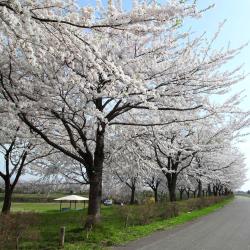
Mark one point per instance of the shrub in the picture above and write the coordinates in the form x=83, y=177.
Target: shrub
x=126, y=214
x=199, y=203
x=150, y=200
x=137, y=215
x=168, y=210
x=144, y=214
x=15, y=226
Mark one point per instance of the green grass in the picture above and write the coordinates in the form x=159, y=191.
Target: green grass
x=115, y=236
x=20, y=197
x=46, y=207
x=110, y=232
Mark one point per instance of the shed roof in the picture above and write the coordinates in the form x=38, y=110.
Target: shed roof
x=72, y=198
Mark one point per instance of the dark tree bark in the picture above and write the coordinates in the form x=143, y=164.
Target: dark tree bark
x=181, y=193
x=194, y=194
x=172, y=178
x=95, y=181
x=154, y=184
x=209, y=191
x=10, y=180
x=220, y=190
x=132, y=196
x=132, y=186
x=7, y=197
x=172, y=195
x=215, y=190
x=199, y=189
x=156, y=196
x=188, y=193
x=95, y=197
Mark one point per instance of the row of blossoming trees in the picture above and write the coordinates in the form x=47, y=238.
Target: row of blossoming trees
x=105, y=93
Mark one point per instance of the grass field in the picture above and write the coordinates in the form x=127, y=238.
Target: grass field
x=110, y=232
x=16, y=197
x=33, y=207
x=40, y=207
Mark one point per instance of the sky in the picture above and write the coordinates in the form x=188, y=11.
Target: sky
x=235, y=31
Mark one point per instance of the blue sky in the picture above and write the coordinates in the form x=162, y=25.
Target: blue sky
x=235, y=31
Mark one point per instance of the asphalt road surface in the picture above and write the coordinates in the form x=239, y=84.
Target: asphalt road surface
x=226, y=229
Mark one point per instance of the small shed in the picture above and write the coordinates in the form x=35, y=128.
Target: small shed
x=70, y=199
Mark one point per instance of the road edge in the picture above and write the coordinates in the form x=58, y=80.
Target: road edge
x=175, y=223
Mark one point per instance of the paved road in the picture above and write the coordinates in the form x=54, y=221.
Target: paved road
x=225, y=229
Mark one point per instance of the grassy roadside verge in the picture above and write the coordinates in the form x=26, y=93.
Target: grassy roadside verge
x=112, y=231
x=137, y=232
x=115, y=236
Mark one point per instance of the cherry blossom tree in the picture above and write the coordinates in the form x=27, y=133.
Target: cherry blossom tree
x=19, y=149
x=221, y=170
x=154, y=181
x=73, y=75
x=126, y=165
x=60, y=169
x=220, y=138
x=184, y=151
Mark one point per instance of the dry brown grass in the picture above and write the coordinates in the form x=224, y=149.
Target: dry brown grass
x=146, y=213
x=15, y=226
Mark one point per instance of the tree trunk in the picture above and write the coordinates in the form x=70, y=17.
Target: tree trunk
x=95, y=197
x=209, y=190
x=188, y=194
x=181, y=194
x=132, y=197
x=156, y=195
x=215, y=191
x=172, y=195
x=172, y=187
x=95, y=180
x=220, y=191
x=199, y=189
x=194, y=194
x=7, y=198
